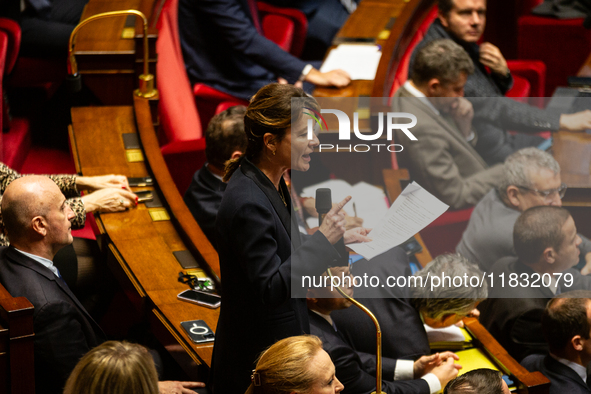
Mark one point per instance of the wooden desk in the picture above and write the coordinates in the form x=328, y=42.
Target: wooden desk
x=109, y=55
x=139, y=248
x=573, y=153
x=391, y=23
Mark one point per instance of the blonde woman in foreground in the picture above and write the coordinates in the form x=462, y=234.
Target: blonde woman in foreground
x=121, y=368
x=295, y=365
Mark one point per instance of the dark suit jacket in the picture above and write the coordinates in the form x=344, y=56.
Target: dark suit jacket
x=441, y=160
x=403, y=335
x=492, y=117
x=356, y=371
x=261, y=268
x=203, y=198
x=64, y=331
x=223, y=49
x=562, y=378
x=513, y=314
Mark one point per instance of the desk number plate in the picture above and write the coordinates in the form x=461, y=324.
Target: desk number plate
x=159, y=214
x=134, y=155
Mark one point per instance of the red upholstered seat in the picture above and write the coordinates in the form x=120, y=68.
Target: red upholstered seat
x=181, y=134
x=209, y=102
x=286, y=27
x=520, y=90
x=534, y=71
x=562, y=44
x=15, y=141
x=402, y=71
x=46, y=74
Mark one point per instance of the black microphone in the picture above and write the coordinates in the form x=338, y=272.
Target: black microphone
x=323, y=203
x=74, y=83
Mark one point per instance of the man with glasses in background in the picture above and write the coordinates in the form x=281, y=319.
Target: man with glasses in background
x=531, y=178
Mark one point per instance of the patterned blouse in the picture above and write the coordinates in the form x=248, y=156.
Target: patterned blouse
x=66, y=183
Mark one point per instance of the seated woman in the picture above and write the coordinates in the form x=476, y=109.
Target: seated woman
x=295, y=365
x=114, y=368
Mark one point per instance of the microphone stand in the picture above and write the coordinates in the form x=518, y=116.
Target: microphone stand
x=378, y=334
x=146, y=80
x=322, y=208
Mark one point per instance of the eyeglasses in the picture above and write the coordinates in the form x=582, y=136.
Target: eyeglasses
x=547, y=194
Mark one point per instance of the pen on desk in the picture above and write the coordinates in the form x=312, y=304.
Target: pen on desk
x=355, y=209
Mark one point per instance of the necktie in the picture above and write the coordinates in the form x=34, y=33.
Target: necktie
x=59, y=275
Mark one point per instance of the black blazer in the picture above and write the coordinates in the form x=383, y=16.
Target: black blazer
x=562, y=378
x=403, y=334
x=258, y=263
x=513, y=314
x=203, y=198
x=357, y=371
x=64, y=331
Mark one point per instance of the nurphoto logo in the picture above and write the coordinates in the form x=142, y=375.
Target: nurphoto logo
x=391, y=119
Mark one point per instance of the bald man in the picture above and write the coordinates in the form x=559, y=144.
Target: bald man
x=37, y=223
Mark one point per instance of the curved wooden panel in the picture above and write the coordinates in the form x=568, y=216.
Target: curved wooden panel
x=188, y=228
x=401, y=34
x=531, y=382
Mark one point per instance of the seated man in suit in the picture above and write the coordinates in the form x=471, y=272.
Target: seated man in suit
x=37, y=222
x=531, y=178
x=325, y=19
x=224, y=48
x=547, y=246
x=357, y=370
x=481, y=381
x=407, y=305
x=224, y=140
x=566, y=323
x=443, y=159
x=464, y=21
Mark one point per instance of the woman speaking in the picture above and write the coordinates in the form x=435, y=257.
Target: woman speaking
x=255, y=237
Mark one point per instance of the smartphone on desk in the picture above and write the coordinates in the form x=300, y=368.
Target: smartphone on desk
x=144, y=196
x=201, y=298
x=145, y=181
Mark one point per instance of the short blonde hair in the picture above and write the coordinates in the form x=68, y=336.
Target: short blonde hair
x=114, y=368
x=285, y=366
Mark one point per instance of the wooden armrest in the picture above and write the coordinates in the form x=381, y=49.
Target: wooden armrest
x=528, y=382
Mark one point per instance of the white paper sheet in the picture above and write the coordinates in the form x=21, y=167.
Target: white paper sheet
x=447, y=334
x=412, y=211
x=360, y=61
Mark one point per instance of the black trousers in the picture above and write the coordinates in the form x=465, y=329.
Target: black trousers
x=48, y=36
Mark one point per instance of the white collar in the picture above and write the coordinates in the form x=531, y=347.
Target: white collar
x=325, y=317
x=421, y=96
x=579, y=369
x=41, y=260
x=211, y=172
